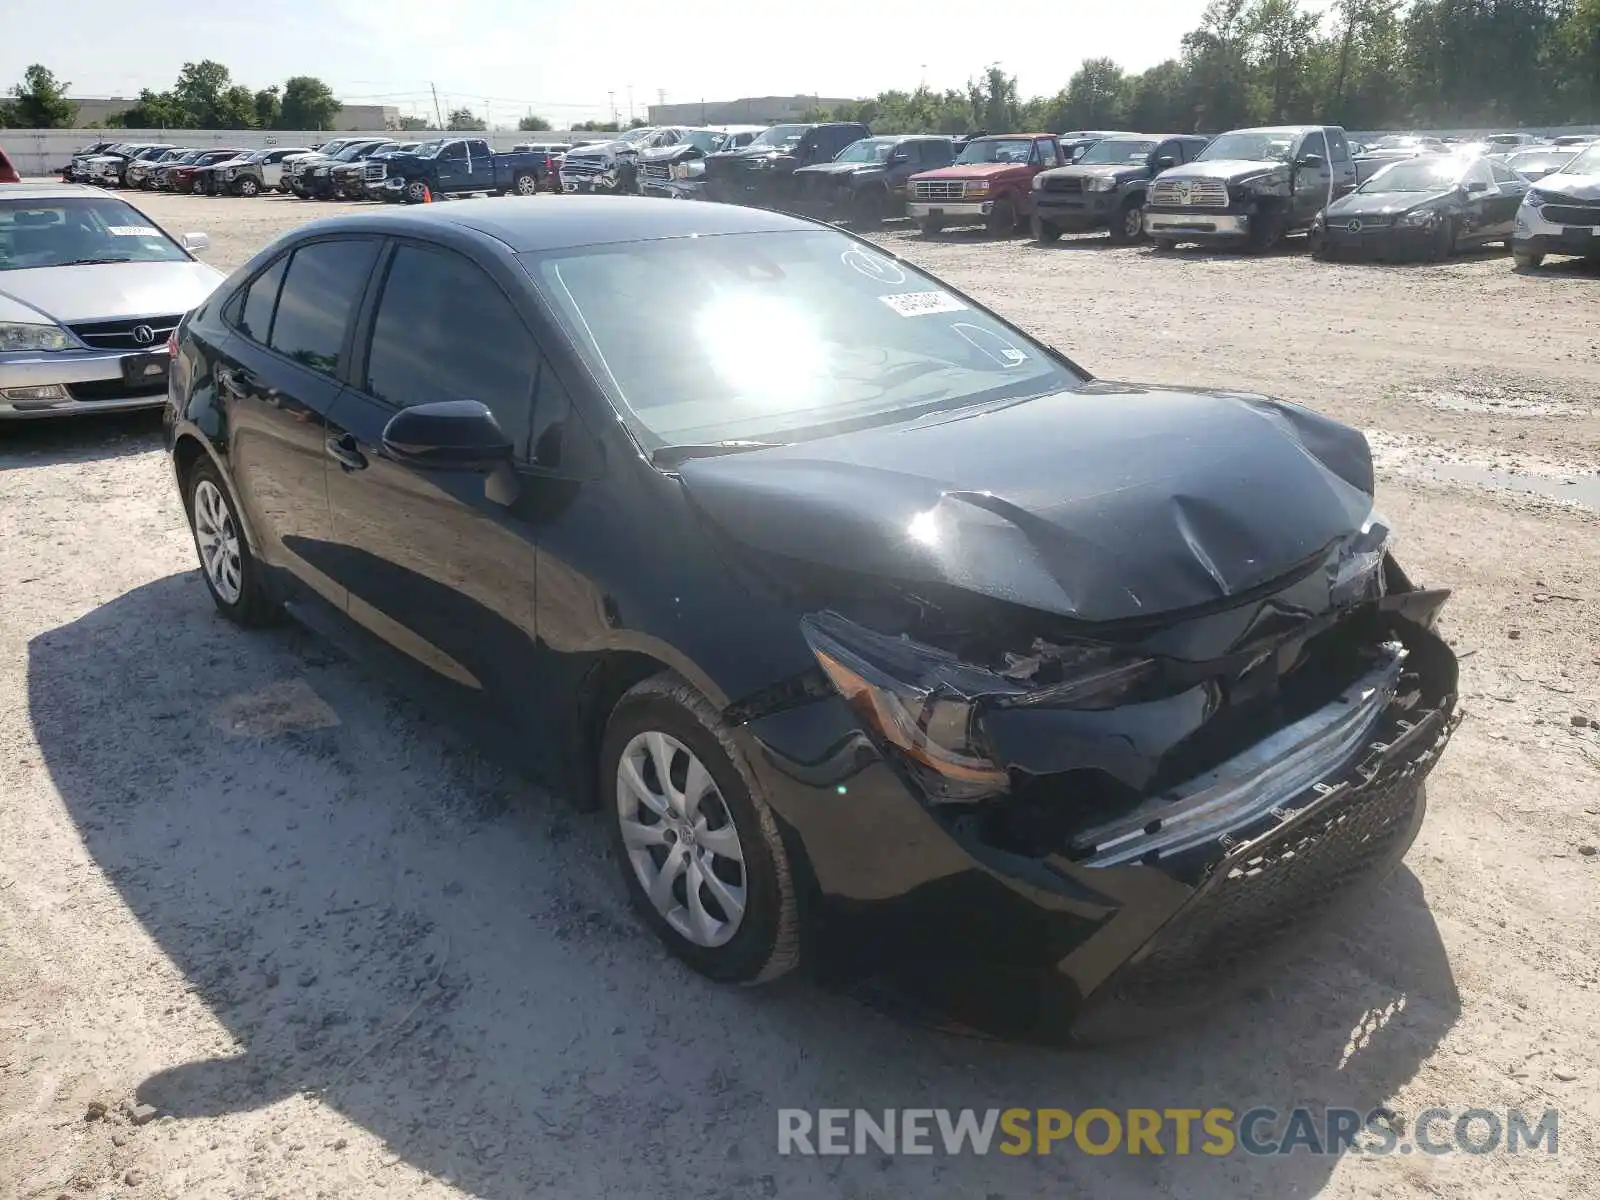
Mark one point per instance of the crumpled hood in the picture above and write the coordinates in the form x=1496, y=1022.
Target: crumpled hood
x=1381, y=204
x=1229, y=169
x=841, y=170
x=1108, y=503
x=106, y=291
x=1584, y=187
x=1099, y=171
x=975, y=171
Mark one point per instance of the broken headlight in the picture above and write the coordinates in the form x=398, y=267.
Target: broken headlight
x=928, y=704
x=1358, y=568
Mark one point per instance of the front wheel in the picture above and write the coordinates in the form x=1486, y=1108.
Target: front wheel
x=931, y=226
x=247, y=187
x=1266, y=231
x=697, y=845
x=1003, y=217
x=1127, y=224
x=1527, y=260
x=867, y=210
x=526, y=183
x=232, y=575
x=1163, y=245
x=1444, y=240
x=1043, y=231
x=416, y=191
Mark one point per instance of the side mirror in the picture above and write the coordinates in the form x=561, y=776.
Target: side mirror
x=1477, y=185
x=1165, y=161
x=196, y=241
x=449, y=435
x=900, y=156
x=1314, y=161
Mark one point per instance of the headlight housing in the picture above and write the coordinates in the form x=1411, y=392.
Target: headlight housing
x=19, y=335
x=1419, y=216
x=927, y=704
x=1100, y=183
x=1357, y=571
x=976, y=187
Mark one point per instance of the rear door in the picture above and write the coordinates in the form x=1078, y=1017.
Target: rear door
x=279, y=374
x=437, y=564
x=1509, y=190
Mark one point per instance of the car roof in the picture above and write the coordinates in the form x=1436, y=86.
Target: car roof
x=31, y=191
x=1281, y=128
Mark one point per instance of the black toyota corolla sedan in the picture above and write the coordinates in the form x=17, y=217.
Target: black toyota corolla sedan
x=1431, y=207
x=886, y=639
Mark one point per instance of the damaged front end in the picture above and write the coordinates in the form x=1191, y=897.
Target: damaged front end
x=1139, y=807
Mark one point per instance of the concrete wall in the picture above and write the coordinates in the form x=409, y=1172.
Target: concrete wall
x=38, y=152
x=97, y=110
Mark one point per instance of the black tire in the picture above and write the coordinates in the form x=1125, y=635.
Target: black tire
x=253, y=608
x=931, y=226
x=1163, y=245
x=868, y=208
x=766, y=942
x=1527, y=260
x=525, y=183
x=1043, y=231
x=1002, y=217
x=1444, y=240
x=1131, y=212
x=415, y=191
x=1266, y=231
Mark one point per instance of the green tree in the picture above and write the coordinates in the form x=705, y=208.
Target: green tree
x=268, y=106
x=1095, y=96
x=154, y=110
x=993, y=100
x=533, y=124
x=308, y=103
x=200, y=89
x=38, y=102
x=462, y=119
x=236, y=108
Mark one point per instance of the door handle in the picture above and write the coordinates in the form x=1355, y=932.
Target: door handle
x=344, y=452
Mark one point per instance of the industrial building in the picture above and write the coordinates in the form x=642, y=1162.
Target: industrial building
x=753, y=110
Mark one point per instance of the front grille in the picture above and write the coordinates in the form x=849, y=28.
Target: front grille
x=118, y=335
x=1189, y=193
x=114, y=389
x=375, y=172
x=1373, y=224
x=1071, y=184
x=1285, y=879
x=1566, y=214
x=582, y=168
x=658, y=173
x=938, y=189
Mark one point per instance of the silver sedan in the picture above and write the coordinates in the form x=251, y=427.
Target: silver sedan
x=90, y=290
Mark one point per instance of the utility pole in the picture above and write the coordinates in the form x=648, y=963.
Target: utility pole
x=630, y=104
x=437, y=115
x=611, y=107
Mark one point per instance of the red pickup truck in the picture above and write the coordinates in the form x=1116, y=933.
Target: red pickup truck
x=990, y=183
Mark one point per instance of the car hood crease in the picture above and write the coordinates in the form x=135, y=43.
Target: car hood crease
x=1104, y=504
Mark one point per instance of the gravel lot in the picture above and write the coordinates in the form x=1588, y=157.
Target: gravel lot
x=344, y=956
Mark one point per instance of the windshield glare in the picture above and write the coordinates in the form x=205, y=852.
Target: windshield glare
x=1250, y=147
x=1415, y=175
x=867, y=150
x=63, y=230
x=705, y=141
x=1116, y=150
x=1538, y=160
x=1587, y=163
x=996, y=150
x=774, y=336
x=780, y=136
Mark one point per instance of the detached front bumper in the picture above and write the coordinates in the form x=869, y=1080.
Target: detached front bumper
x=1162, y=904
x=1196, y=225
x=89, y=381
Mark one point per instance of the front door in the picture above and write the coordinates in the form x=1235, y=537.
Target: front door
x=452, y=167
x=1508, y=193
x=1313, y=184
x=279, y=378
x=438, y=564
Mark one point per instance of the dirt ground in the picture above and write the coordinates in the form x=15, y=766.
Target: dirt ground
x=341, y=955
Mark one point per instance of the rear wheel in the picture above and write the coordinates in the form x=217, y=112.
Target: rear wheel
x=526, y=183
x=697, y=845
x=1127, y=224
x=231, y=572
x=1043, y=231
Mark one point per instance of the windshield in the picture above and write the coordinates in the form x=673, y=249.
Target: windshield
x=1539, y=160
x=152, y=152
x=1399, y=143
x=705, y=140
x=216, y=156
x=996, y=150
x=1116, y=150
x=260, y=156
x=1250, y=147
x=780, y=137
x=1416, y=175
x=774, y=336
x=62, y=230
x=1587, y=163
x=867, y=150
x=359, y=150
x=428, y=149
x=638, y=137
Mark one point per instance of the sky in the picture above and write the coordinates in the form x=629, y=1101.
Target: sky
x=562, y=60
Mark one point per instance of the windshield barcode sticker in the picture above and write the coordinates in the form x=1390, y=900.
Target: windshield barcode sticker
x=133, y=230
x=920, y=304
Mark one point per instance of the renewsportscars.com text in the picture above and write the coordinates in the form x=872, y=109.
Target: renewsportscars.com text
x=1162, y=1131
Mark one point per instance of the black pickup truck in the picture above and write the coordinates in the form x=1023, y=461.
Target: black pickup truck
x=762, y=173
x=455, y=166
x=1251, y=187
x=1105, y=187
x=867, y=181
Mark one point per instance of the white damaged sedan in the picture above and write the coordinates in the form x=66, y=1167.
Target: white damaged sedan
x=90, y=290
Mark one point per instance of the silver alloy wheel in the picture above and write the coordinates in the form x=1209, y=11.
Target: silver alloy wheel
x=1133, y=221
x=527, y=185
x=416, y=191
x=218, y=541
x=680, y=839
x=248, y=187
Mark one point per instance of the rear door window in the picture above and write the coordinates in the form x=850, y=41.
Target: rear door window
x=259, y=302
x=325, y=281
x=1341, y=148
x=1316, y=144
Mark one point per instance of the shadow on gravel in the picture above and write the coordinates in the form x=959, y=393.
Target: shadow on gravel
x=39, y=443
x=443, y=953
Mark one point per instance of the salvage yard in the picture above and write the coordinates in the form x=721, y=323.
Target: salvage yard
x=335, y=952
